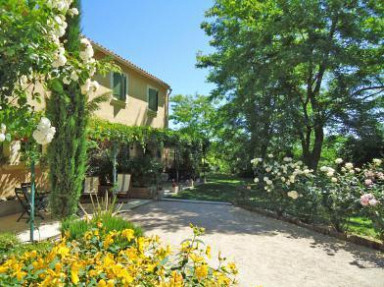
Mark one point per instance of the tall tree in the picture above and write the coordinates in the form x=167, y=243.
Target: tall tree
x=66, y=108
x=312, y=63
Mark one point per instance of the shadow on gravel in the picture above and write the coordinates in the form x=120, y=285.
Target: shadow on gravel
x=224, y=219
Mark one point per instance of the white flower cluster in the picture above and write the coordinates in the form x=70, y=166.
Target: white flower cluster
x=283, y=175
x=87, y=53
x=377, y=161
x=44, y=132
x=61, y=5
x=89, y=87
x=3, y=129
x=60, y=59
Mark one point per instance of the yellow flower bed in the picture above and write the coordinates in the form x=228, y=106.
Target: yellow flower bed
x=118, y=259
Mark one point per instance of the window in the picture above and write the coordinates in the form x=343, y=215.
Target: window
x=153, y=99
x=119, y=86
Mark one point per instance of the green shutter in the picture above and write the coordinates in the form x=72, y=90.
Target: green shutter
x=123, y=95
x=117, y=85
x=153, y=99
x=157, y=100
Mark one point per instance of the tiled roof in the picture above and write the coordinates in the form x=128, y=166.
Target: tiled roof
x=97, y=46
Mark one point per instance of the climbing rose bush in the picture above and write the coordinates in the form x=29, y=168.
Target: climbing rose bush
x=118, y=259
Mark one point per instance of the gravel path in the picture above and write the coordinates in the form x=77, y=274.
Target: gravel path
x=268, y=252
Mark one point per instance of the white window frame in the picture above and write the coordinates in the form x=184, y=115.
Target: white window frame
x=111, y=86
x=158, y=97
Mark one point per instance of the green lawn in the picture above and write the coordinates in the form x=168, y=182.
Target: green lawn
x=222, y=187
x=219, y=187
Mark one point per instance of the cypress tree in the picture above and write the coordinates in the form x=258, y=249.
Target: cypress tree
x=66, y=108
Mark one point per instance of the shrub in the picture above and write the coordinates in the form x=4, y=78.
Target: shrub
x=340, y=191
x=286, y=185
x=75, y=228
x=372, y=197
x=118, y=258
x=7, y=242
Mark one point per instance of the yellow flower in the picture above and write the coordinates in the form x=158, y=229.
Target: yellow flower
x=176, y=279
x=128, y=234
x=201, y=272
x=99, y=224
x=108, y=241
x=58, y=267
x=196, y=258
x=233, y=268
x=208, y=251
x=63, y=251
x=75, y=272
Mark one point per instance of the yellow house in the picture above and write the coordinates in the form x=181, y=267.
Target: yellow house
x=136, y=98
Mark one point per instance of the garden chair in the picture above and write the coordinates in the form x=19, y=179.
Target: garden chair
x=123, y=185
x=91, y=187
x=24, y=198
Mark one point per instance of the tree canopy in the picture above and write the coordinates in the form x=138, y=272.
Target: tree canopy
x=294, y=70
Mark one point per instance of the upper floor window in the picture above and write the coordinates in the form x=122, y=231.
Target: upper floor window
x=119, y=86
x=153, y=99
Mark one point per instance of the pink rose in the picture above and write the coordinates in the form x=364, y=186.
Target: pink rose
x=365, y=198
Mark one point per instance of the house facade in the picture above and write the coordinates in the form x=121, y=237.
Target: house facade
x=135, y=98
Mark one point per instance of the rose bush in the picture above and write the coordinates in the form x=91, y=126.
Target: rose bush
x=372, y=196
x=286, y=184
x=335, y=193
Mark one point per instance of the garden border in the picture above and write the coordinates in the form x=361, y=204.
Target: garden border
x=320, y=229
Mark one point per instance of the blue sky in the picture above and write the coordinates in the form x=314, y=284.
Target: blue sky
x=162, y=37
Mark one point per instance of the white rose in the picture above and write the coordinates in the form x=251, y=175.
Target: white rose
x=287, y=159
x=74, y=77
x=338, y=160
x=330, y=173
x=66, y=80
x=256, y=180
x=265, y=178
x=334, y=179
x=86, y=87
x=293, y=194
x=270, y=155
x=3, y=128
x=2, y=137
x=282, y=179
x=324, y=168
x=349, y=165
x=60, y=61
x=373, y=202
x=368, y=182
x=38, y=136
x=377, y=161
x=268, y=169
x=73, y=11
x=269, y=182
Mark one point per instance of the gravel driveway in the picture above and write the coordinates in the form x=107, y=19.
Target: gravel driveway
x=268, y=252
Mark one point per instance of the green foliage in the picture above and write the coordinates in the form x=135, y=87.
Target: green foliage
x=67, y=154
x=7, y=242
x=76, y=228
x=288, y=70
x=145, y=170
